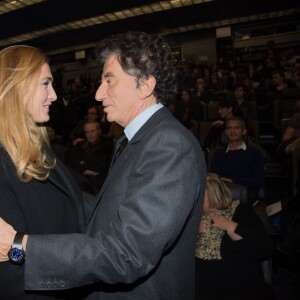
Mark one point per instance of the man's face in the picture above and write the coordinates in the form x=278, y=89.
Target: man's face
x=239, y=92
x=92, y=133
x=92, y=114
x=200, y=83
x=276, y=78
x=185, y=96
x=234, y=131
x=225, y=112
x=119, y=93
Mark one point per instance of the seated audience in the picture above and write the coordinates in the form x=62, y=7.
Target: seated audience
x=241, y=104
x=77, y=134
x=115, y=130
x=279, y=84
x=55, y=143
x=232, y=242
x=232, y=80
x=239, y=163
x=186, y=110
x=290, y=138
x=201, y=90
x=187, y=80
x=215, y=136
x=91, y=158
x=216, y=82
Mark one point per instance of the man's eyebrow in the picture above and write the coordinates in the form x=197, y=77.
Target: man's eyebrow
x=108, y=74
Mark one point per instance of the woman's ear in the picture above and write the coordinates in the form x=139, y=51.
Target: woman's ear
x=146, y=87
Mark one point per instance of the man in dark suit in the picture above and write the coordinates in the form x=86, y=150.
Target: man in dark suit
x=140, y=239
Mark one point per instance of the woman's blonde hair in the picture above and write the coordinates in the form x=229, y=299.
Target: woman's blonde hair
x=20, y=136
x=219, y=195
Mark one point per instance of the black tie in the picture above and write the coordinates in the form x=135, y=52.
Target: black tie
x=119, y=146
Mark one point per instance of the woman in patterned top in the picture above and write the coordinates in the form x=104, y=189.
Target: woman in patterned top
x=231, y=245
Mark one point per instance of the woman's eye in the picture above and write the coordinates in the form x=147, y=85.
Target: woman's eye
x=46, y=83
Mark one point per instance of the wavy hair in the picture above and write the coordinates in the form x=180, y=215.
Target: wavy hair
x=20, y=136
x=142, y=55
x=219, y=195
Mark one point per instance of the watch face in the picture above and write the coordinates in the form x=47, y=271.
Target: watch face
x=16, y=255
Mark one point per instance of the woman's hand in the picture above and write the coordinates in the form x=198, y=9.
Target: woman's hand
x=220, y=222
x=227, y=225
x=7, y=235
x=202, y=226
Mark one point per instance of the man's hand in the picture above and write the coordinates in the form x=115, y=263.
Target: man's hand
x=7, y=235
x=218, y=123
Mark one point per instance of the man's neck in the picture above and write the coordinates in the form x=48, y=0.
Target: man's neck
x=96, y=142
x=229, y=116
x=240, y=100
x=235, y=144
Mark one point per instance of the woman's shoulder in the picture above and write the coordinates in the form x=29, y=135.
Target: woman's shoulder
x=4, y=156
x=6, y=165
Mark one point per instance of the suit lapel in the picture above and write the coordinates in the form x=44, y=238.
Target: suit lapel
x=161, y=114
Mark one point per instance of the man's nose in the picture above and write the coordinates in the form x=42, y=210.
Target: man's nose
x=101, y=92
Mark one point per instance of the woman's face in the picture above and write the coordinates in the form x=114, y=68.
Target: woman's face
x=44, y=95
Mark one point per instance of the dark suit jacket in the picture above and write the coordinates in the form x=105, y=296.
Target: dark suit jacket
x=141, y=236
x=54, y=206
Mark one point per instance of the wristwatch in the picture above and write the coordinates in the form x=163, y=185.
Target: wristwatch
x=16, y=254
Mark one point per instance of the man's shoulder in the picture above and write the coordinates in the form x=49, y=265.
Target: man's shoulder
x=163, y=122
x=252, y=149
x=220, y=150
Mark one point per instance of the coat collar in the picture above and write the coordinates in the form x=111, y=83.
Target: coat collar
x=157, y=117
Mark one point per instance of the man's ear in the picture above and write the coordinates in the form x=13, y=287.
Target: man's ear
x=244, y=131
x=146, y=87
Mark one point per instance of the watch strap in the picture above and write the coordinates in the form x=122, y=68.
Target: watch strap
x=18, y=240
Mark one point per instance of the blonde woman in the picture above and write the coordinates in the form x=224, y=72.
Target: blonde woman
x=231, y=244
x=37, y=193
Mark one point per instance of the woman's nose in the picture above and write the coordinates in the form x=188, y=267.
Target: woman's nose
x=53, y=95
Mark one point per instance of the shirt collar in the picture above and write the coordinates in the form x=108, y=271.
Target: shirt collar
x=243, y=146
x=133, y=127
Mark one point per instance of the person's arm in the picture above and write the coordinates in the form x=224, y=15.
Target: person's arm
x=255, y=240
x=247, y=231
x=288, y=133
x=227, y=225
x=151, y=213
